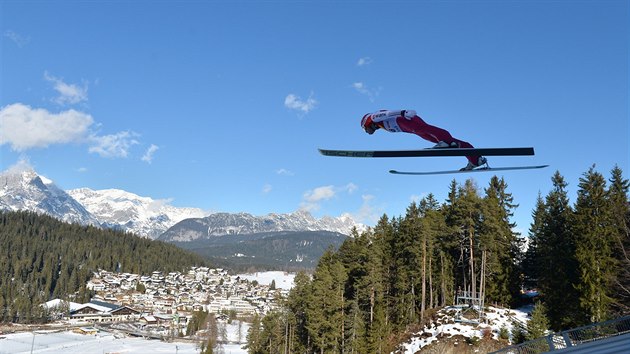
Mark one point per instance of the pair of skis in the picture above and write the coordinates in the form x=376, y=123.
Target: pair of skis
x=524, y=151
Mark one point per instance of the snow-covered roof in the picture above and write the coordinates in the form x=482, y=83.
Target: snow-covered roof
x=58, y=303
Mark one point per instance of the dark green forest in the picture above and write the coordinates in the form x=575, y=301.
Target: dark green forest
x=42, y=258
x=385, y=282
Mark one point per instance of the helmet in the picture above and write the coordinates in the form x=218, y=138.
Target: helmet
x=368, y=124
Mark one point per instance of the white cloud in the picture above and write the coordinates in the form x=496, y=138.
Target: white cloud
x=362, y=88
x=148, y=155
x=157, y=204
x=68, y=93
x=267, y=189
x=296, y=103
x=16, y=38
x=24, y=127
x=113, y=145
x=368, y=214
x=22, y=165
x=364, y=61
x=285, y=172
x=312, y=199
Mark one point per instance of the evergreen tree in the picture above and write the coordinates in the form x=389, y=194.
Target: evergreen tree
x=556, y=257
x=499, y=245
x=538, y=325
x=617, y=196
x=433, y=229
x=254, y=340
x=532, y=267
x=594, y=242
x=297, y=303
x=408, y=253
x=378, y=316
x=463, y=213
x=272, y=338
x=325, y=310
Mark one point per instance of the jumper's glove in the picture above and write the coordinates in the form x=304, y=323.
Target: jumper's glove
x=408, y=113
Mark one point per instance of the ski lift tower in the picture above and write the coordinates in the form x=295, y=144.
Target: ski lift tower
x=467, y=302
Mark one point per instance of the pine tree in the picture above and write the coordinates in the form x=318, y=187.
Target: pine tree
x=297, y=303
x=434, y=228
x=556, y=258
x=594, y=242
x=538, y=325
x=620, y=217
x=532, y=267
x=463, y=213
x=501, y=245
x=254, y=343
x=325, y=310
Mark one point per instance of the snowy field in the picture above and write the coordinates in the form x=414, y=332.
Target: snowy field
x=71, y=343
x=283, y=280
x=105, y=342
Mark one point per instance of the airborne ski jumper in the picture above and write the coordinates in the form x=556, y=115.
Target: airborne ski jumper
x=408, y=121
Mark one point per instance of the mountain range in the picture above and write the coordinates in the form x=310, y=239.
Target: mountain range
x=21, y=188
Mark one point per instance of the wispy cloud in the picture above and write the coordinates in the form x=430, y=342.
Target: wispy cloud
x=363, y=89
x=23, y=127
x=113, y=145
x=22, y=165
x=312, y=199
x=68, y=93
x=267, y=188
x=368, y=213
x=16, y=38
x=284, y=172
x=148, y=155
x=295, y=102
x=364, y=61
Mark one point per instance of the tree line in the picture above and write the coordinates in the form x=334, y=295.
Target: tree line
x=388, y=280
x=43, y=258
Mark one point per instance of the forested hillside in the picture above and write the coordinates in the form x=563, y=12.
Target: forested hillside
x=42, y=258
x=385, y=282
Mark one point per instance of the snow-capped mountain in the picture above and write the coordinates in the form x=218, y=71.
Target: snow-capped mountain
x=143, y=216
x=21, y=188
x=220, y=224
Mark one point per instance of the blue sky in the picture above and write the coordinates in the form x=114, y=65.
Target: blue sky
x=222, y=105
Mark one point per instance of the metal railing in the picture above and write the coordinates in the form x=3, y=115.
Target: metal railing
x=571, y=338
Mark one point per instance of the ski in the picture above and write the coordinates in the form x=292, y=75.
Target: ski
x=480, y=169
x=519, y=151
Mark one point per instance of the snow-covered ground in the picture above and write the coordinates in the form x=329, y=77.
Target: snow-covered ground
x=68, y=342
x=445, y=326
x=71, y=343
x=283, y=280
x=106, y=342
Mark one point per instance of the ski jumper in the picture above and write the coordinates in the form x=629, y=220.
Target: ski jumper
x=409, y=122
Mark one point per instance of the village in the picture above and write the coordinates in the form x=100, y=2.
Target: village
x=161, y=305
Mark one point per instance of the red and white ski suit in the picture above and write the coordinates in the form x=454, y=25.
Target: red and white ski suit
x=408, y=121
